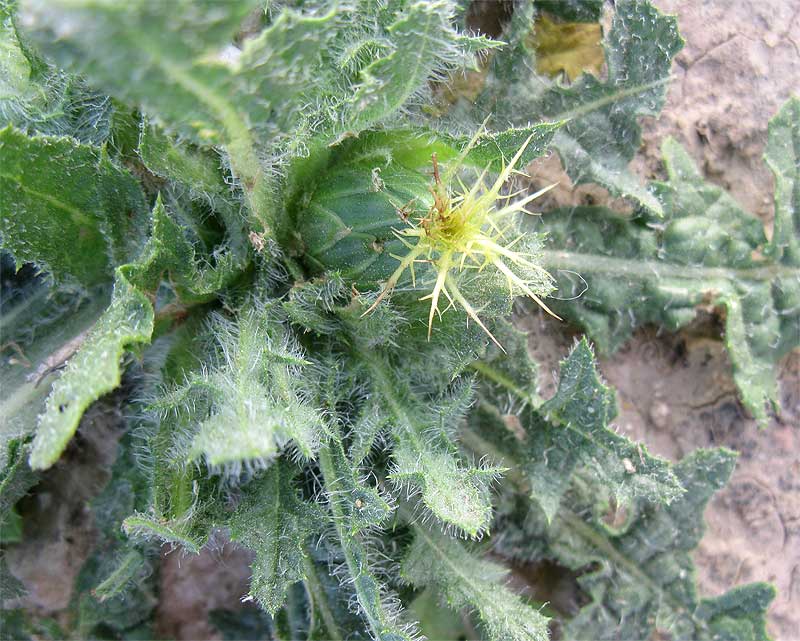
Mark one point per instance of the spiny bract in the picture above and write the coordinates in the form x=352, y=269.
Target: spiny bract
x=470, y=228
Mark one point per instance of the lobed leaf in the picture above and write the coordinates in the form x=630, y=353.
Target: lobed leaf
x=165, y=43
x=274, y=522
x=253, y=401
x=424, y=456
x=706, y=252
x=37, y=98
x=467, y=582
x=602, y=134
x=93, y=371
x=571, y=433
x=188, y=74
x=355, y=508
x=495, y=149
x=645, y=580
x=638, y=571
x=95, y=367
x=421, y=38
x=41, y=327
x=783, y=158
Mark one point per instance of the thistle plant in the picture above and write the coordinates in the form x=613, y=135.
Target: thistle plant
x=246, y=219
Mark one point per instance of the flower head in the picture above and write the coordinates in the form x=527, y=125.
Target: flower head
x=469, y=228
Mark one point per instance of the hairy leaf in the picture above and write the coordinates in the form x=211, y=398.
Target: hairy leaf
x=15, y=68
x=248, y=403
x=602, y=133
x=783, y=158
x=178, y=509
x=165, y=43
x=467, y=582
x=16, y=478
x=95, y=367
x=274, y=522
x=424, y=455
x=356, y=508
x=509, y=377
x=150, y=528
x=67, y=207
x=420, y=38
x=706, y=252
x=188, y=74
x=41, y=328
x=35, y=97
x=495, y=149
x=114, y=589
x=93, y=371
x=331, y=613
x=570, y=433
x=413, y=147
x=646, y=577
x=638, y=571
x=198, y=172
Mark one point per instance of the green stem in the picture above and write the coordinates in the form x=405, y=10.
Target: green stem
x=119, y=578
x=598, y=263
x=484, y=369
x=366, y=586
x=319, y=599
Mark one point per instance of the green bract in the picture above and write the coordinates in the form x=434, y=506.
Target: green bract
x=349, y=222
x=457, y=236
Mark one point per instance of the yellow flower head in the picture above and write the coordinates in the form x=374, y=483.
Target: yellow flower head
x=469, y=228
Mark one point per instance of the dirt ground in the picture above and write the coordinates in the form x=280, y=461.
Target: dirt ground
x=675, y=391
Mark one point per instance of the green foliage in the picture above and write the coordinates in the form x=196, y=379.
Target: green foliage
x=355, y=508
x=245, y=184
x=425, y=457
x=640, y=576
x=466, y=581
x=38, y=98
x=706, y=251
x=249, y=404
x=75, y=213
x=652, y=585
x=417, y=45
x=275, y=523
x=41, y=328
x=570, y=432
x=602, y=133
x=92, y=371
